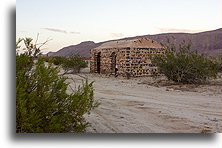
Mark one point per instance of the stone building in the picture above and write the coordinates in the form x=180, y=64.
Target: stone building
x=125, y=57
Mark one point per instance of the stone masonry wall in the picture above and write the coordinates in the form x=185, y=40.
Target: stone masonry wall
x=134, y=61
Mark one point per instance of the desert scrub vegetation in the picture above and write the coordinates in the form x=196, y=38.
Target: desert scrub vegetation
x=71, y=64
x=58, y=60
x=74, y=64
x=42, y=102
x=219, y=61
x=186, y=66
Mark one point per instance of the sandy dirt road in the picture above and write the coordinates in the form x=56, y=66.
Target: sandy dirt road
x=132, y=106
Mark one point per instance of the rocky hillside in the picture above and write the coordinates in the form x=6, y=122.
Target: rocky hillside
x=209, y=42
x=82, y=49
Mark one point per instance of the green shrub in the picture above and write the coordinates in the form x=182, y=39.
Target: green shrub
x=42, y=102
x=58, y=60
x=74, y=64
x=47, y=59
x=184, y=65
x=217, y=61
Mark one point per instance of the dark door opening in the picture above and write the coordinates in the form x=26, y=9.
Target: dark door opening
x=113, y=64
x=98, y=62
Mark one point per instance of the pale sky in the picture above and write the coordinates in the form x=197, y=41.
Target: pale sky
x=69, y=22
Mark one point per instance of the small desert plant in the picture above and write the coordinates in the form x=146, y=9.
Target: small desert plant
x=47, y=59
x=58, y=60
x=42, y=102
x=184, y=65
x=74, y=64
x=219, y=61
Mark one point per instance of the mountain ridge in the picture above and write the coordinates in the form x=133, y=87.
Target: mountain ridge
x=207, y=42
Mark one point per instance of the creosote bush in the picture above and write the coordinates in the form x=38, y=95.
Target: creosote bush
x=58, y=60
x=219, y=63
x=71, y=64
x=74, y=64
x=184, y=65
x=42, y=102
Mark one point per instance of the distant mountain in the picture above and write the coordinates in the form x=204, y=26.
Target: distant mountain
x=50, y=53
x=82, y=49
x=209, y=42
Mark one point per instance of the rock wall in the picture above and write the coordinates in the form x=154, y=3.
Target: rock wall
x=133, y=61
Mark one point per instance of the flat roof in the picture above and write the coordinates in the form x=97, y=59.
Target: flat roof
x=135, y=43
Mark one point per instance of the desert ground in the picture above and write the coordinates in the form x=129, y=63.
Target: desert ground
x=149, y=105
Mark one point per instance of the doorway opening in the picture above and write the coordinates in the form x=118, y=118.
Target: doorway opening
x=113, y=67
x=98, y=62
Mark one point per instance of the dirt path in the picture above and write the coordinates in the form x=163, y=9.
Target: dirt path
x=129, y=106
